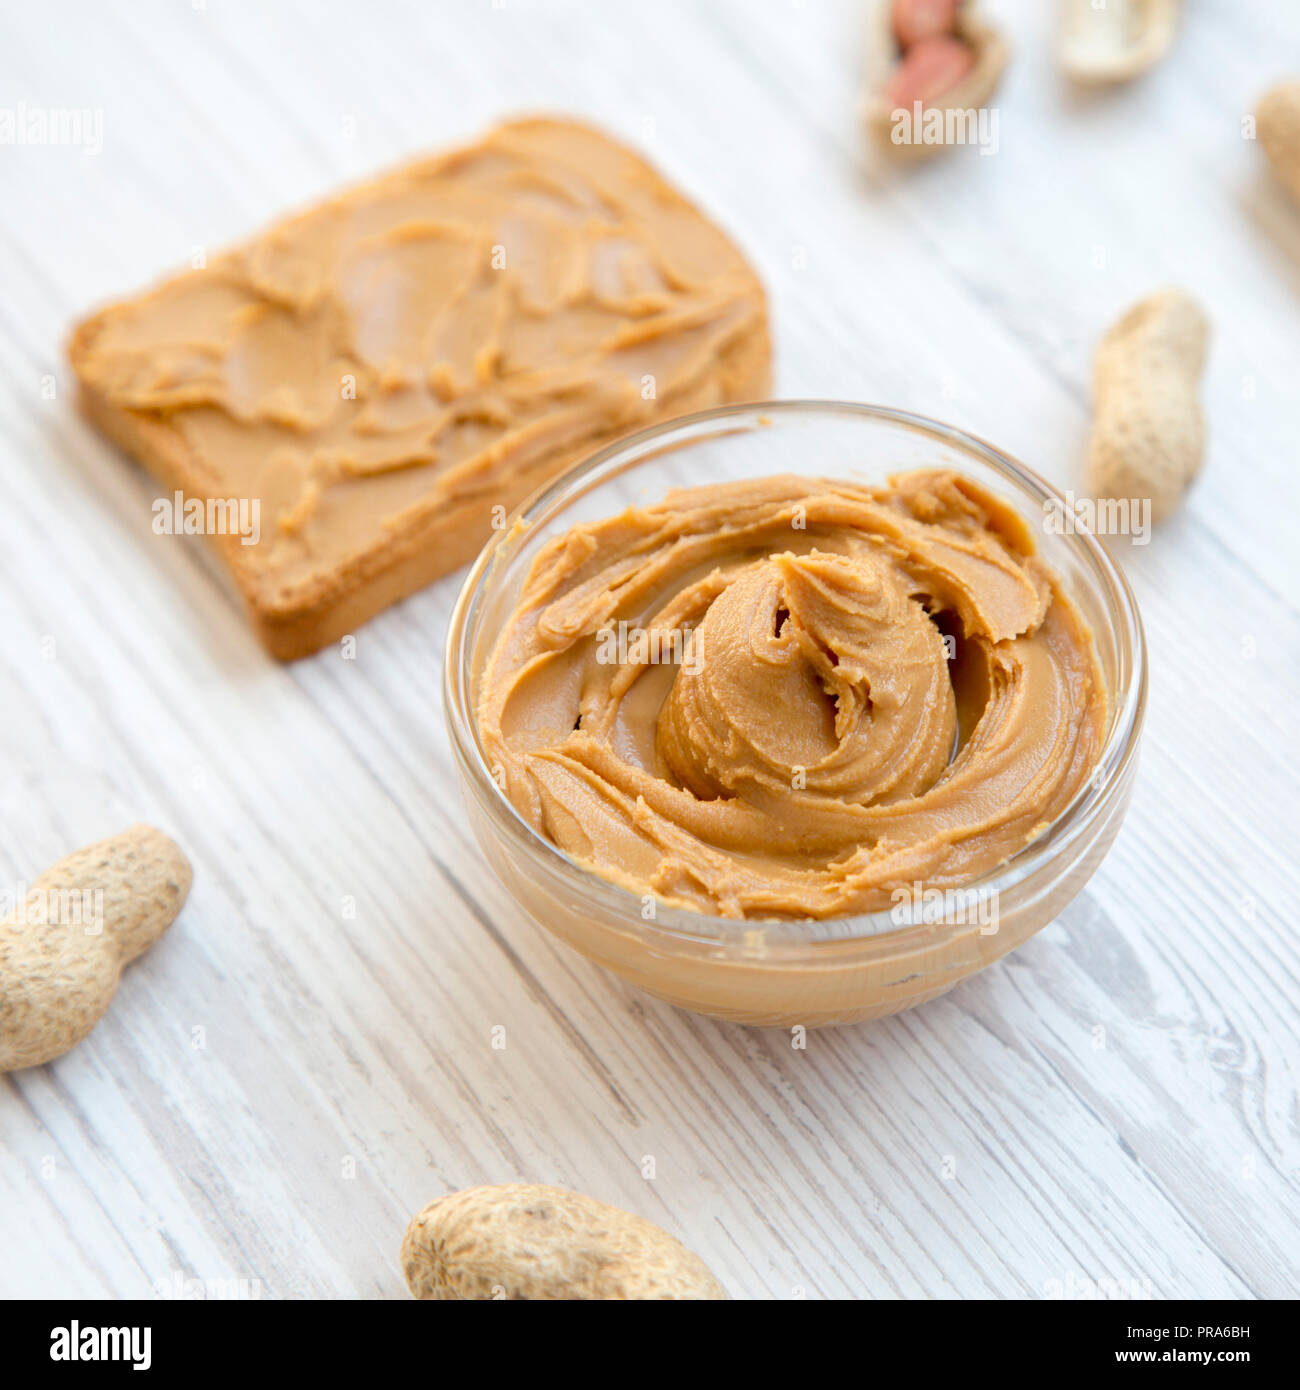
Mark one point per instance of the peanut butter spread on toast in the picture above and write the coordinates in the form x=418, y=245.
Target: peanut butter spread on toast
x=384, y=370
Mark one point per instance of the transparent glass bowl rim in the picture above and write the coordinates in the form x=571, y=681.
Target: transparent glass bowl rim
x=690, y=928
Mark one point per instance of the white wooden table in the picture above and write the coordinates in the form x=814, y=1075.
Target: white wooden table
x=282, y=1082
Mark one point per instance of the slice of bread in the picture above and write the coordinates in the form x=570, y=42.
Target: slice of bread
x=382, y=377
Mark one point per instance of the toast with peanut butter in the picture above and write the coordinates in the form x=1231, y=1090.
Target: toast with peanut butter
x=384, y=376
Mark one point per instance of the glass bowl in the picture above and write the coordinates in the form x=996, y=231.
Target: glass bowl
x=787, y=973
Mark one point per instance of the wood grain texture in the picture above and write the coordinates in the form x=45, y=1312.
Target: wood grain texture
x=308, y=1058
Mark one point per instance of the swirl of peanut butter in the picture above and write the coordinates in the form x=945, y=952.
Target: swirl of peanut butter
x=792, y=697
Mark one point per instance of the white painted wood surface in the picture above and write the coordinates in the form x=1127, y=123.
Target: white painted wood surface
x=279, y=1088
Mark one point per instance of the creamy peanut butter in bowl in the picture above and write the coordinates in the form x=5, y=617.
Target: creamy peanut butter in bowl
x=795, y=713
